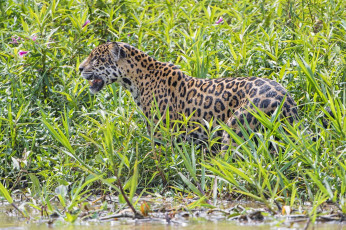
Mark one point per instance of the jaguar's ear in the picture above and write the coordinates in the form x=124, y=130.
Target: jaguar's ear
x=117, y=51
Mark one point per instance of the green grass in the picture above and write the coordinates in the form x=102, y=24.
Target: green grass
x=58, y=140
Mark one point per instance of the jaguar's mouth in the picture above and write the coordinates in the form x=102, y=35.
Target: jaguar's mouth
x=96, y=84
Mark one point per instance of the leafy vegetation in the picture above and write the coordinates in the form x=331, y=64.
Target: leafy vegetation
x=59, y=141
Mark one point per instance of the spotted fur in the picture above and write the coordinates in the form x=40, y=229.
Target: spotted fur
x=226, y=99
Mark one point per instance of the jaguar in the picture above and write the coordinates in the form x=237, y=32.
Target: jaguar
x=166, y=86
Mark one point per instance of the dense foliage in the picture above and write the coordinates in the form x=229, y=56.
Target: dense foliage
x=57, y=139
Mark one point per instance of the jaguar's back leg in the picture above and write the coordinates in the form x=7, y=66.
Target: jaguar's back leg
x=288, y=111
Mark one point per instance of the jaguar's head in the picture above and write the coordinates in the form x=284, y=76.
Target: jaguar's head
x=101, y=67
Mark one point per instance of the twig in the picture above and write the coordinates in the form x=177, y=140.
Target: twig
x=15, y=206
x=119, y=215
x=218, y=210
x=159, y=168
x=296, y=216
x=136, y=214
x=278, y=205
x=101, y=198
x=329, y=218
x=307, y=224
x=203, y=193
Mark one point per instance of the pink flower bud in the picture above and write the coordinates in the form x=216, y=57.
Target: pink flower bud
x=22, y=53
x=86, y=23
x=14, y=40
x=219, y=21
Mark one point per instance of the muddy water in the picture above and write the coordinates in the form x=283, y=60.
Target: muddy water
x=204, y=220
x=16, y=223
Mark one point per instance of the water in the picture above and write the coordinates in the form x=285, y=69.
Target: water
x=198, y=220
x=15, y=224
